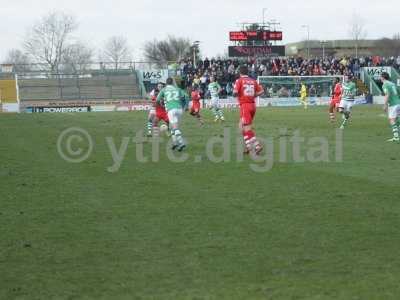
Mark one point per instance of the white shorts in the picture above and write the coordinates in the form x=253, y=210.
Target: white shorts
x=394, y=111
x=346, y=105
x=214, y=103
x=152, y=112
x=175, y=115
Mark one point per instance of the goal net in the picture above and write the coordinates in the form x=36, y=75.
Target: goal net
x=286, y=90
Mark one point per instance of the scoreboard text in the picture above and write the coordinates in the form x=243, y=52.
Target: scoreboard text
x=244, y=36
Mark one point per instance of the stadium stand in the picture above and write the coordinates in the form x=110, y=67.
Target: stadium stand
x=81, y=87
x=225, y=70
x=101, y=82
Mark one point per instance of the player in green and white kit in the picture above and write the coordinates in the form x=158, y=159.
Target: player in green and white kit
x=349, y=93
x=175, y=103
x=392, y=105
x=215, y=89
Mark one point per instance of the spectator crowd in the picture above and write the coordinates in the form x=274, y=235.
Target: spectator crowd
x=226, y=70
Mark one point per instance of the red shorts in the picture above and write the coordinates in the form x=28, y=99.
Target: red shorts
x=247, y=113
x=335, y=102
x=195, y=107
x=162, y=115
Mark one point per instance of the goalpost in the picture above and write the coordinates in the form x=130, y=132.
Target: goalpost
x=17, y=93
x=285, y=90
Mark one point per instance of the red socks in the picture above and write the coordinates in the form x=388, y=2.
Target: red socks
x=249, y=139
x=251, y=142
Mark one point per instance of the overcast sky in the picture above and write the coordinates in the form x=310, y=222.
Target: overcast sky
x=208, y=21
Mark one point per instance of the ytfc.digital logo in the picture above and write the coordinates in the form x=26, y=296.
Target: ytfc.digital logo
x=75, y=145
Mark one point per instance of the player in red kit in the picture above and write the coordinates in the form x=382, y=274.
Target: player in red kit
x=247, y=90
x=335, y=101
x=157, y=114
x=195, y=110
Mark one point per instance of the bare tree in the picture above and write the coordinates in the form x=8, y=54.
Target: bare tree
x=18, y=59
x=117, y=51
x=223, y=56
x=77, y=57
x=357, y=30
x=49, y=38
x=172, y=49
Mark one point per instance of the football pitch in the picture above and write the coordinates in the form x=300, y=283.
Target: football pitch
x=146, y=226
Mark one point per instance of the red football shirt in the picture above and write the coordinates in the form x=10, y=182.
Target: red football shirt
x=247, y=89
x=337, y=95
x=153, y=95
x=196, y=96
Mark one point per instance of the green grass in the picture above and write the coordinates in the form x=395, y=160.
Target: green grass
x=198, y=230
